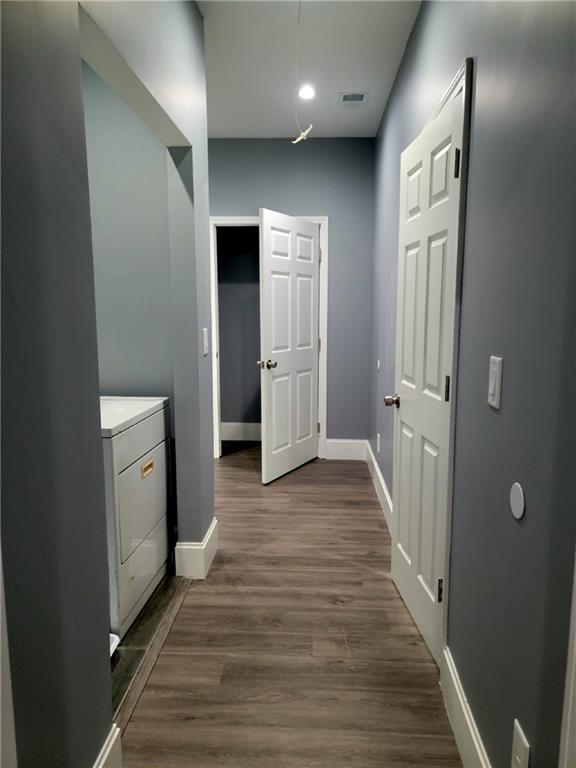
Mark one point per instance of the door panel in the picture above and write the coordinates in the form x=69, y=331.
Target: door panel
x=280, y=243
x=426, y=331
x=406, y=492
x=280, y=299
x=280, y=386
x=305, y=404
x=305, y=311
x=304, y=248
x=413, y=186
x=434, y=315
x=410, y=267
x=289, y=255
x=428, y=513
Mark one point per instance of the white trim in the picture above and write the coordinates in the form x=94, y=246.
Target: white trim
x=466, y=733
x=379, y=485
x=251, y=221
x=568, y=734
x=238, y=430
x=111, y=753
x=345, y=450
x=215, y=344
x=193, y=559
x=235, y=221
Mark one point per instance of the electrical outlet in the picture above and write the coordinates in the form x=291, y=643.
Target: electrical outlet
x=378, y=442
x=520, y=747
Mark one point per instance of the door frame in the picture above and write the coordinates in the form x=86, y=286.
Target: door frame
x=462, y=81
x=254, y=221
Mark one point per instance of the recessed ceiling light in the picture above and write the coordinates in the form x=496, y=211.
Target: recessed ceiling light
x=307, y=92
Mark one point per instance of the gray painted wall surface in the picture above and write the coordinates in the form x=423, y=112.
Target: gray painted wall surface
x=53, y=518
x=239, y=323
x=510, y=583
x=129, y=211
x=163, y=44
x=7, y=730
x=320, y=177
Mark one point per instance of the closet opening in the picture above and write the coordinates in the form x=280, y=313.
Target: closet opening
x=238, y=284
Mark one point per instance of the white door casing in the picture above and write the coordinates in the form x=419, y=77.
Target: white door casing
x=431, y=192
x=215, y=222
x=289, y=262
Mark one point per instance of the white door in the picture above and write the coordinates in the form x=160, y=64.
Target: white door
x=289, y=259
x=426, y=324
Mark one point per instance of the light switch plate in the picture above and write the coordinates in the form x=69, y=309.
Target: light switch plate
x=205, y=347
x=378, y=366
x=520, y=747
x=495, y=382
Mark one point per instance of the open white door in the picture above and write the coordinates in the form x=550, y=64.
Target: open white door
x=426, y=332
x=289, y=259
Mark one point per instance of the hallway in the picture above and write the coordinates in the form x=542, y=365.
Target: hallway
x=296, y=652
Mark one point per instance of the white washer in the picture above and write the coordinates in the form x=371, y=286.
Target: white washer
x=134, y=437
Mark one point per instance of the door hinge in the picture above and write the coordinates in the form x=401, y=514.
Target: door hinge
x=440, y=590
x=447, y=389
x=319, y=345
x=457, y=163
x=319, y=255
x=318, y=427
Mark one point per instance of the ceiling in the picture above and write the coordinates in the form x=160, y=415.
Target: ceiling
x=344, y=47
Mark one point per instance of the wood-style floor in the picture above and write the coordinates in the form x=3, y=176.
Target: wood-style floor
x=297, y=651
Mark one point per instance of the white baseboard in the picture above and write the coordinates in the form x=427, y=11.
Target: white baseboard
x=237, y=430
x=111, y=753
x=380, y=486
x=193, y=559
x=466, y=733
x=354, y=450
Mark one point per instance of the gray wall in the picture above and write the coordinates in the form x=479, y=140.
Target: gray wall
x=510, y=583
x=239, y=323
x=53, y=521
x=129, y=211
x=163, y=44
x=7, y=731
x=320, y=177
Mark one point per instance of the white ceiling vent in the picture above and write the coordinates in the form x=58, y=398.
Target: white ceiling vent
x=353, y=99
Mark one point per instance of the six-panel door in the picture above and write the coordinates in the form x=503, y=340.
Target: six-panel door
x=289, y=254
x=426, y=317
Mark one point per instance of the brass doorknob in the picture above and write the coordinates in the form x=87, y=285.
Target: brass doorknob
x=392, y=400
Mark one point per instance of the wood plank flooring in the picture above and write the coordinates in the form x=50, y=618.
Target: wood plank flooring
x=136, y=655
x=297, y=651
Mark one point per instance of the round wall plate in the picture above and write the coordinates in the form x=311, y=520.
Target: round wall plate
x=517, y=502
